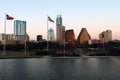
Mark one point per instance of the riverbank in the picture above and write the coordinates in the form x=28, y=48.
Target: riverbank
x=63, y=57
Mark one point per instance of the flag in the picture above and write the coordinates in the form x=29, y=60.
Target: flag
x=49, y=19
x=9, y=17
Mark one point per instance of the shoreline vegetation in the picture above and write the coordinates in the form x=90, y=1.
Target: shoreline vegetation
x=78, y=53
x=38, y=50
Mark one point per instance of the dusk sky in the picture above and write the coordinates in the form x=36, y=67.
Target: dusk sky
x=95, y=15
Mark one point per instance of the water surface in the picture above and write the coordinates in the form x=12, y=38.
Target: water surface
x=60, y=69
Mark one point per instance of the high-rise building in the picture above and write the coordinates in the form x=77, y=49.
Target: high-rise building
x=84, y=36
x=60, y=30
x=70, y=36
x=19, y=27
x=39, y=37
x=105, y=36
x=109, y=32
x=60, y=37
x=20, y=30
x=59, y=20
x=51, y=36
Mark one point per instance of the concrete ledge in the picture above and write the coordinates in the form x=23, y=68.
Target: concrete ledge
x=16, y=57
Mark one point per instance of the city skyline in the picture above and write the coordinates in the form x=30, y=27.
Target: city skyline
x=95, y=16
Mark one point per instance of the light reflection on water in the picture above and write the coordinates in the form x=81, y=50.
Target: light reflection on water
x=60, y=69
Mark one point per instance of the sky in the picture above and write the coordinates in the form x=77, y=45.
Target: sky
x=94, y=15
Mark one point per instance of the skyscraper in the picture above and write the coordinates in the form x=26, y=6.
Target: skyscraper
x=20, y=30
x=109, y=32
x=60, y=30
x=51, y=36
x=70, y=36
x=105, y=36
x=59, y=20
x=84, y=36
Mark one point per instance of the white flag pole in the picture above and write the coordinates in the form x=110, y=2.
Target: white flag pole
x=47, y=34
x=4, y=52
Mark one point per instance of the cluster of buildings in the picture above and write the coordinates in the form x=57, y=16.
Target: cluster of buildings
x=104, y=37
x=19, y=36
x=68, y=36
x=62, y=35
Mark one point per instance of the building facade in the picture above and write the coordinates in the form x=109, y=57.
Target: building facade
x=93, y=41
x=60, y=34
x=20, y=30
x=105, y=36
x=39, y=37
x=9, y=37
x=70, y=36
x=109, y=33
x=51, y=36
x=60, y=30
x=84, y=36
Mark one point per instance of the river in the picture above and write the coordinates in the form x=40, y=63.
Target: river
x=106, y=68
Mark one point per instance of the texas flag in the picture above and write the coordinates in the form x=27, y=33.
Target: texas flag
x=49, y=19
x=9, y=17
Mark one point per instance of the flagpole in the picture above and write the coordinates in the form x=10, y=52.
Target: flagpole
x=25, y=43
x=4, y=52
x=47, y=34
x=48, y=19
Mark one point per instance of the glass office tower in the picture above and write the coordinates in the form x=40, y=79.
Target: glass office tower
x=59, y=20
x=20, y=30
